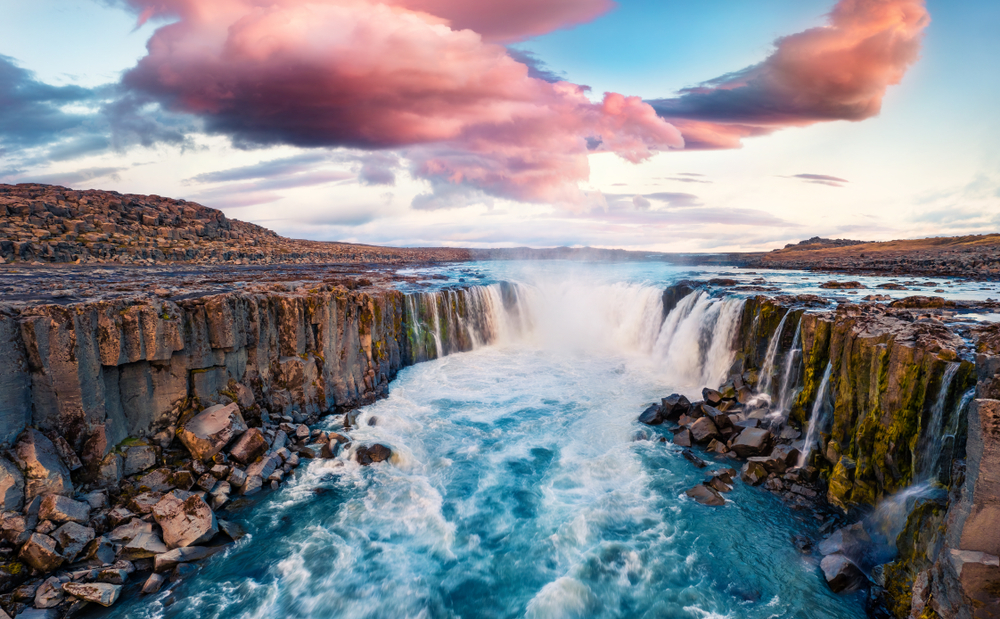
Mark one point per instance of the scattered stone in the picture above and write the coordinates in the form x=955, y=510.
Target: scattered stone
x=752, y=442
x=145, y=502
x=96, y=592
x=99, y=550
x=841, y=574
x=169, y=560
x=753, y=473
x=208, y=432
x=373, y=454
x=154, y=583
x=185, y=522
x=143, y=546
x=706, y=495
x=232, y=530
x=40, y=553
x=693, y=459
x=72, y=539
x=139, y=459
x=49, y=594
x=652, y=416
x=683, y=438
x=250, y=446
x=237, y=477
x=704, y=430
x=711, y=396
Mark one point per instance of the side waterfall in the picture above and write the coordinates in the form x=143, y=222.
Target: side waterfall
x=788, y=391
x=931, y=446
x=816, y=418
x=767, y=371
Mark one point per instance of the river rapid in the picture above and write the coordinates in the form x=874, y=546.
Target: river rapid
x=520, y=485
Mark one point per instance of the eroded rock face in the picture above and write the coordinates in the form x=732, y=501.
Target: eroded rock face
x=185, y=522
x=208, y=432
x=44, y=472
x=11, y=486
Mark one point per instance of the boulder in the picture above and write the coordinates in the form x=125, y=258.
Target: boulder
x=719, y=484
x=704, y=430
x=127, y=532
x=139, y=458
x=852, y=541
x=753, y=473
x=711, y=396
x=841, y=574
x=154, y=583
x=49, y=594
x=706, y=495
x=171, y=559
x=72, y=539
x=110, y=471
x=17, y=527
x=208, y=432
x=40, y=553
x=652, y=416
x=65, y=452
x=98, y=499
x=264, y=467
x=232, y=530
x=185, y=522
x=373, y=454
x=99, y=550
x=44, y=472
x=673, y=406
x=145, y=502
x=752, y=442
x=718, y=417
x=59, y=508
x=693, y=459
x=250, y=446
x=253, y=485
x=11, y=487
x=143, y=546
x=683, y=438
x=158, y=480
x=113, y=576
x=96, y=592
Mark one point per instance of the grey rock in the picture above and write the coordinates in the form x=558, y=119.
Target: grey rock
x=143, y=546
x=208, y=432
x=237, y=477
x=72, y=539
x=171, y=559
x=65, y=452
x=232, y=530
x=49, y=594
x=841, y=574
x=127, y=532
x=98, y=499
x=110, y=471
x=154, y=583
x=11, y=487
x=95, y=592
x=144, y=503
x=59, y=508
x=753, y=473
x=44, y=472
x=706, y=495
x=253, y=485
x=139, y=459
x=113, y=576
x=100, y=551
x=752, y=442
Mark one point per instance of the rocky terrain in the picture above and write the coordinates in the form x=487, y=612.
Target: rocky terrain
x=52, y=224
x=910, y=446
x=974, y=257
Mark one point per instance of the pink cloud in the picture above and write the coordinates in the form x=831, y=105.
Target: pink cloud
x=839, y=71
x=364, y=74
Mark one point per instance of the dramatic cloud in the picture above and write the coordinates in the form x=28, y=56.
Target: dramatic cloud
x=370, y=75
x=836, y=72
x=33, y=111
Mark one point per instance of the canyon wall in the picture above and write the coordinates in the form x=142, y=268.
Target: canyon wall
x=909, y=409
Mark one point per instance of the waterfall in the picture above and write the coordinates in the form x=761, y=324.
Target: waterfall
x=695, y=340
x=814, y=419
x=933, y=437
x=787, y=392
x=772, y=352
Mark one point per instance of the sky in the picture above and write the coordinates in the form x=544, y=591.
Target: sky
x=662, y=125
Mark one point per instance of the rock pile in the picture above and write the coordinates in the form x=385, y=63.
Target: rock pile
x=48, y=223
x=70, y=537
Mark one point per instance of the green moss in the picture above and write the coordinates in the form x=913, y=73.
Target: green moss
x=919, y=536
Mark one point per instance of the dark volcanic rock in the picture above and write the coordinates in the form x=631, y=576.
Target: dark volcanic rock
x=675, y=405
x=652, y=416
x=373, y=454
x=841, y=574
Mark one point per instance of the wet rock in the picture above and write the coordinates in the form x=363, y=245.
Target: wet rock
x=40, y=553
x=374, y=453
x=652, y=416
x=752, y=442
x=139, y=459
x=59, y=508
x=250, y=446
x=802, y=543
x=44, y=472
x=232, y=530
x=716, y=446
x=208, y=432
x=95, y=592
x=683, y=438
x=673, y=406
x=39, y=613
x=835, y=285
x=693, y=459
x=753, y=473
x=841, y=574
x=706, y=495
x=852, y=540
x=143, y=546
x=72, y=539
x=11, y=487
x=171, y=559
x=718, y=417
x=185, y=522
x=719, y=485
x=711, y=396
x=154, y=583
x=704, y=430
x=789, y=433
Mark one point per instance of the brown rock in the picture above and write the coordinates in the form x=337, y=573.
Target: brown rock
x=44, y=472
x=753, y=473
x=250, y=446
x=683, y=438
x=63, y=509
x=72, y=539
x=752, y=442
x=706, y=495
x=96, y=592
x=841, y=574
x=704, y=430
x=373, y=454
x=11, y=487
x=40, y=553
x=208, y=432
x=139, y=459
x=185, y=522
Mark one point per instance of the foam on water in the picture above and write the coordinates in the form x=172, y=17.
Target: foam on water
x=516, y=490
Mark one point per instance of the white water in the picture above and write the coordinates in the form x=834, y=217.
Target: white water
x=930, y=456
x=788, y=391
x=817, y=418
x=516, y=489
x=767, y=370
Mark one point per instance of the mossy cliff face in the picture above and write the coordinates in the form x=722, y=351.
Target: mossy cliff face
x=98, y=373
x=886, y=377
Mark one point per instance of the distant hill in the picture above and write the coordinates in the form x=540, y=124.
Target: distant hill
x=821, y=243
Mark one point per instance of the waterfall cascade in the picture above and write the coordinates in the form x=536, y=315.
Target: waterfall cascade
x=788, y=390
x=817, y=418
x=767, y=370
x=929, y=457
